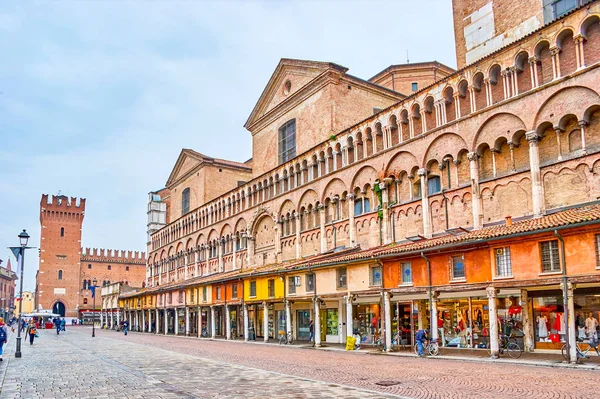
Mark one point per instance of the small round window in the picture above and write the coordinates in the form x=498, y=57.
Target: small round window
x=287, y=87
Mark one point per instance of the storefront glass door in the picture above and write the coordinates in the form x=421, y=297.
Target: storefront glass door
x=303, y=325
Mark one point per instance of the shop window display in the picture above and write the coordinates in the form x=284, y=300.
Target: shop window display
x=332, y=322
x=367, y=322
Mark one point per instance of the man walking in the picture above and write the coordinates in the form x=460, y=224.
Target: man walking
x=311, y=329
x=125, y=327
x=57, y=325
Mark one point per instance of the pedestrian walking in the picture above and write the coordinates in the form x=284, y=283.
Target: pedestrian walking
x=3, y=336
x=421, y=337
x=56, y=322
x=32, y=332
x=311, y=329
x=63, y=325
x=125, y=327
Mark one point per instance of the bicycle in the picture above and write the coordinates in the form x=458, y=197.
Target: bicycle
x=430, y=347
x=508, y=344
x=287, y=339
x=396, y=340
x=581, y=354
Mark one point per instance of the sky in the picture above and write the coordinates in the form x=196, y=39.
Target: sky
x=97, y=98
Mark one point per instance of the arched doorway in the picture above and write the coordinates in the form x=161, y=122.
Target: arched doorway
x=59, y=308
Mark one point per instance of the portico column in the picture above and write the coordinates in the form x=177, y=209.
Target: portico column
x=176, y=322
x=118, y=316
x=527, y=327
x=166, y=323
x=101, y=318
x=388, y=321
x=537, y=190
x=420, y=314
x=476, y=195
x=157, y=318
x=322, y=228
x=298, y=244
x=349, y=317
x=570, y=322
x=144, y=321
x=187, y=321
x=213, y=325
x=582, y=125
x=317, y=325
x=246, y=326
x=433, y=325
x=288, y=318
x=492, y=294
x=350, y=198
x=425, y=203
x=266, y=321
x=227, y=323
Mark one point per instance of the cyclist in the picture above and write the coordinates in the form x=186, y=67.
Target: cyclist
x=421, y=338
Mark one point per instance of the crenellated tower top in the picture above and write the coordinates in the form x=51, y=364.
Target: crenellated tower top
x=62, y=207
x=112, y=256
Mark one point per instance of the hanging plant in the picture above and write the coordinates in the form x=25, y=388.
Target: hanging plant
x=379, y=195
x=332, y=137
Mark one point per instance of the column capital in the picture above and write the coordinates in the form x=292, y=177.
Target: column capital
x=583, y=123
x=558, y=129
x=533, y=60
x=350, y=197
x=578, y=38
x=422, y=172
x=492, y=292
x=532, y=136
x=388, y=180
x=473, y=156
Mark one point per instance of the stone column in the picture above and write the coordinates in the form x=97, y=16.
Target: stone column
x=425, y=203
x=213, y=324
x=420, y=314
x=250, y=250
x=322, y=228
x=317, y=310
x=492, y=294
x=582, y=125
x=187, y=321
x=288, y=318
x=555, y=62
x=570, y=323
x=351, y=222
x=558, y=131
x=156, y=326
x=279, y=232
x=220, y=252
x=196, y=260
x=176, y=322
x=166, y=322
x=234, y=258
x=578, y=39
x=246, y=326
x=101, y=319
x=298, y=244
x=186, y=260
x=266, y=321
x=385, y=201
x=388, y=321
x=349, y=317
x=227, y=323
x=533, y=72
x=537, y=190
x=433, y=325
x=527, y=326
x=476, y=205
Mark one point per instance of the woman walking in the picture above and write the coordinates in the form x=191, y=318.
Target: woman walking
x=32, y=332
x=3, y=336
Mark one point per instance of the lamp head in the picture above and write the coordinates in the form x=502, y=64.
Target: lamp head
x=23, y=238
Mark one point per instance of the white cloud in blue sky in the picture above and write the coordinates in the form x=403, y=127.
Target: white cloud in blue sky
x=97, y=98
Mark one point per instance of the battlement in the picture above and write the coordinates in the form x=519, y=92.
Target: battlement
x=62, y=203
x=112, y=255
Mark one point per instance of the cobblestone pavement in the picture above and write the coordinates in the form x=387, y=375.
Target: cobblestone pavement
x=415, y=377
x=75, y=365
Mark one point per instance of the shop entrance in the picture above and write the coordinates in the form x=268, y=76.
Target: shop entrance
x=303, y=325
x=219, y=320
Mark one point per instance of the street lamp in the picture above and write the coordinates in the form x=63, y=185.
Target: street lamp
x=94, y=281
x=23, y=239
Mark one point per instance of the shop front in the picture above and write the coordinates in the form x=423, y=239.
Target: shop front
x=219, y=320
x=367, y=315
x=236, y=321
x=193, y=321
x=181, y=321
x=205, y=322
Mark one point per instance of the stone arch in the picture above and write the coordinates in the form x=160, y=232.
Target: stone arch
x=240, y=225
x=570, y=100
x=263, y=231
x=201, y=240
x=309, y=197
x=447, y=143
x=189, y=244
x=489, y=131
x=575, y=178
x=366, y=174
x=402, y=160
x=334, y=187
x=590, y=30
x=567, y=56
x=287, y=207
x=544, y=61
x=225, y=230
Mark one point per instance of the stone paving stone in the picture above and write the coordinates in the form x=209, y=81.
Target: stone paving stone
x=75, y=365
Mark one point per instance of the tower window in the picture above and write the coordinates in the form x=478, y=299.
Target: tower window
x=62, y=231
x=85, y=301
x=89, y=266
x=60, y=274
x=287, y=141
x=126, y=268
x=415, y=86
x=109, y=267
x=185, y=201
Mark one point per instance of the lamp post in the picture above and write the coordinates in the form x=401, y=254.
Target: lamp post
x=94, y=281
x=23, y=239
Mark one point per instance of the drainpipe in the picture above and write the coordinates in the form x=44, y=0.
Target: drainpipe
x=565, y=291
x=445, y=206
x=432, y=317
x=393, y=225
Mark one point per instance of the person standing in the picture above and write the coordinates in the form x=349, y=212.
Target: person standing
x=3, y=336
x=32, y=332
x=63, y=325
x=311, y=329
x=591, y=325
x=421, y=338
x=125, y=327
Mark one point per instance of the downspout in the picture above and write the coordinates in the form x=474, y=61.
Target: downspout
x=445, y=207
x=564, y=290
x=431, y=316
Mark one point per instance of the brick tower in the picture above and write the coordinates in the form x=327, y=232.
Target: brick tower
x=60, y=254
